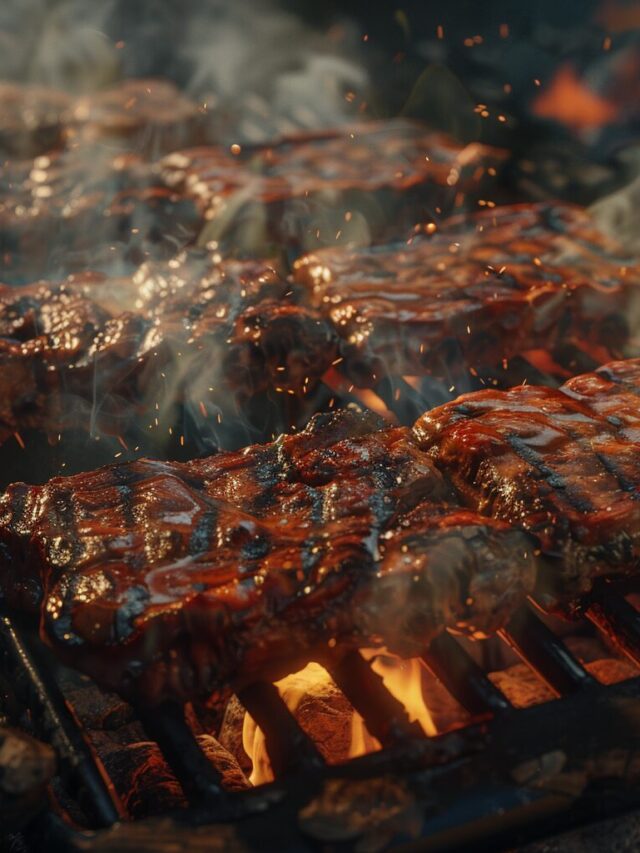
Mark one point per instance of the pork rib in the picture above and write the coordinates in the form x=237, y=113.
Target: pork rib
x=98, y=353
x=475, y=291
x=562, y=464
x=77, y=209
x=179, y=580
x=362, y=182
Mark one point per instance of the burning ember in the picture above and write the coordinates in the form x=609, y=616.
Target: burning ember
x=568, y=99
x=322, y=710
x=312, y=696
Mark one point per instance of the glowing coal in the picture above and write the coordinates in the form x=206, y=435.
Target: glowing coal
x=339, y=730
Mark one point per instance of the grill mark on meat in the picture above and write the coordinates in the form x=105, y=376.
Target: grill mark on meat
x=69, y=522
x=380, y=506
x=317, y=505
x=556, y=463
x=611, y=467
x=200, y=539
x=124, y=479
x=135, y=603
x=612, y=376
x=256, y=548
x=271, y=468
x=480, y=289
x=186, y=611
x=607, y=462
x=552, y=477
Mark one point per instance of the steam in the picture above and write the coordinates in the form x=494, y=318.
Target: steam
x=255, y=53
x=59, y=44
x=264, y=68
x=256, y=71
x=618, y=215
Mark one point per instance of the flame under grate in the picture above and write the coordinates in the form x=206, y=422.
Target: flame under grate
x=535, y=750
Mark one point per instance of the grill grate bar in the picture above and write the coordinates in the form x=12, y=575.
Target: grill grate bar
x=167, y=726
x=58, y=722
x=384, y=716
x=612, y=614
x=462, y=677
x=290, y=749
x=401, y=398
x=539, y=647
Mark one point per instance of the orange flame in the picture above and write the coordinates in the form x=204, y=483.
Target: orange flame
x=403, y=678
x=569, y=100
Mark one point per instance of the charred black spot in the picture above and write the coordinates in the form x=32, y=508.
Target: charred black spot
x=553, y=478
x=463, y=411
x=200, y=540
x=257, y=547
x=317, y=505
x=135, y=602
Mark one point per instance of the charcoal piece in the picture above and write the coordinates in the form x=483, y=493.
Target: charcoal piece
x=147, y=785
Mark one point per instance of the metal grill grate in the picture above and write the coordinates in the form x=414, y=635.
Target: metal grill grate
x=594, y=719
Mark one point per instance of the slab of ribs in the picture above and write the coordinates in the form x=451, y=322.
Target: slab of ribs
x=180, y=580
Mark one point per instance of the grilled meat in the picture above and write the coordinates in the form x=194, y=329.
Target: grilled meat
x=165, y=579
x=476, y=291
x=100, y=353
x=562, y=464
x=44, y=332
x=86, y=209
x=248, y=312
x=150, y=117
x=33, y=119
x=358, y=184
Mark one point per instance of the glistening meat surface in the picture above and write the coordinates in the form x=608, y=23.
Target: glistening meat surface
x=77, y=209
x=358, y=183
x=101, y=353
x=168, y=580
x=474, y=291
x=563, y=464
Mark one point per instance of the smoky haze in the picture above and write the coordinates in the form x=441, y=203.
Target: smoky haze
x=237, y=56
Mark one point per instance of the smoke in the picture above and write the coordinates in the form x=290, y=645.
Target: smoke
x=248, y=58
x=60, y=44
x=618, y=215
x=254, y=53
